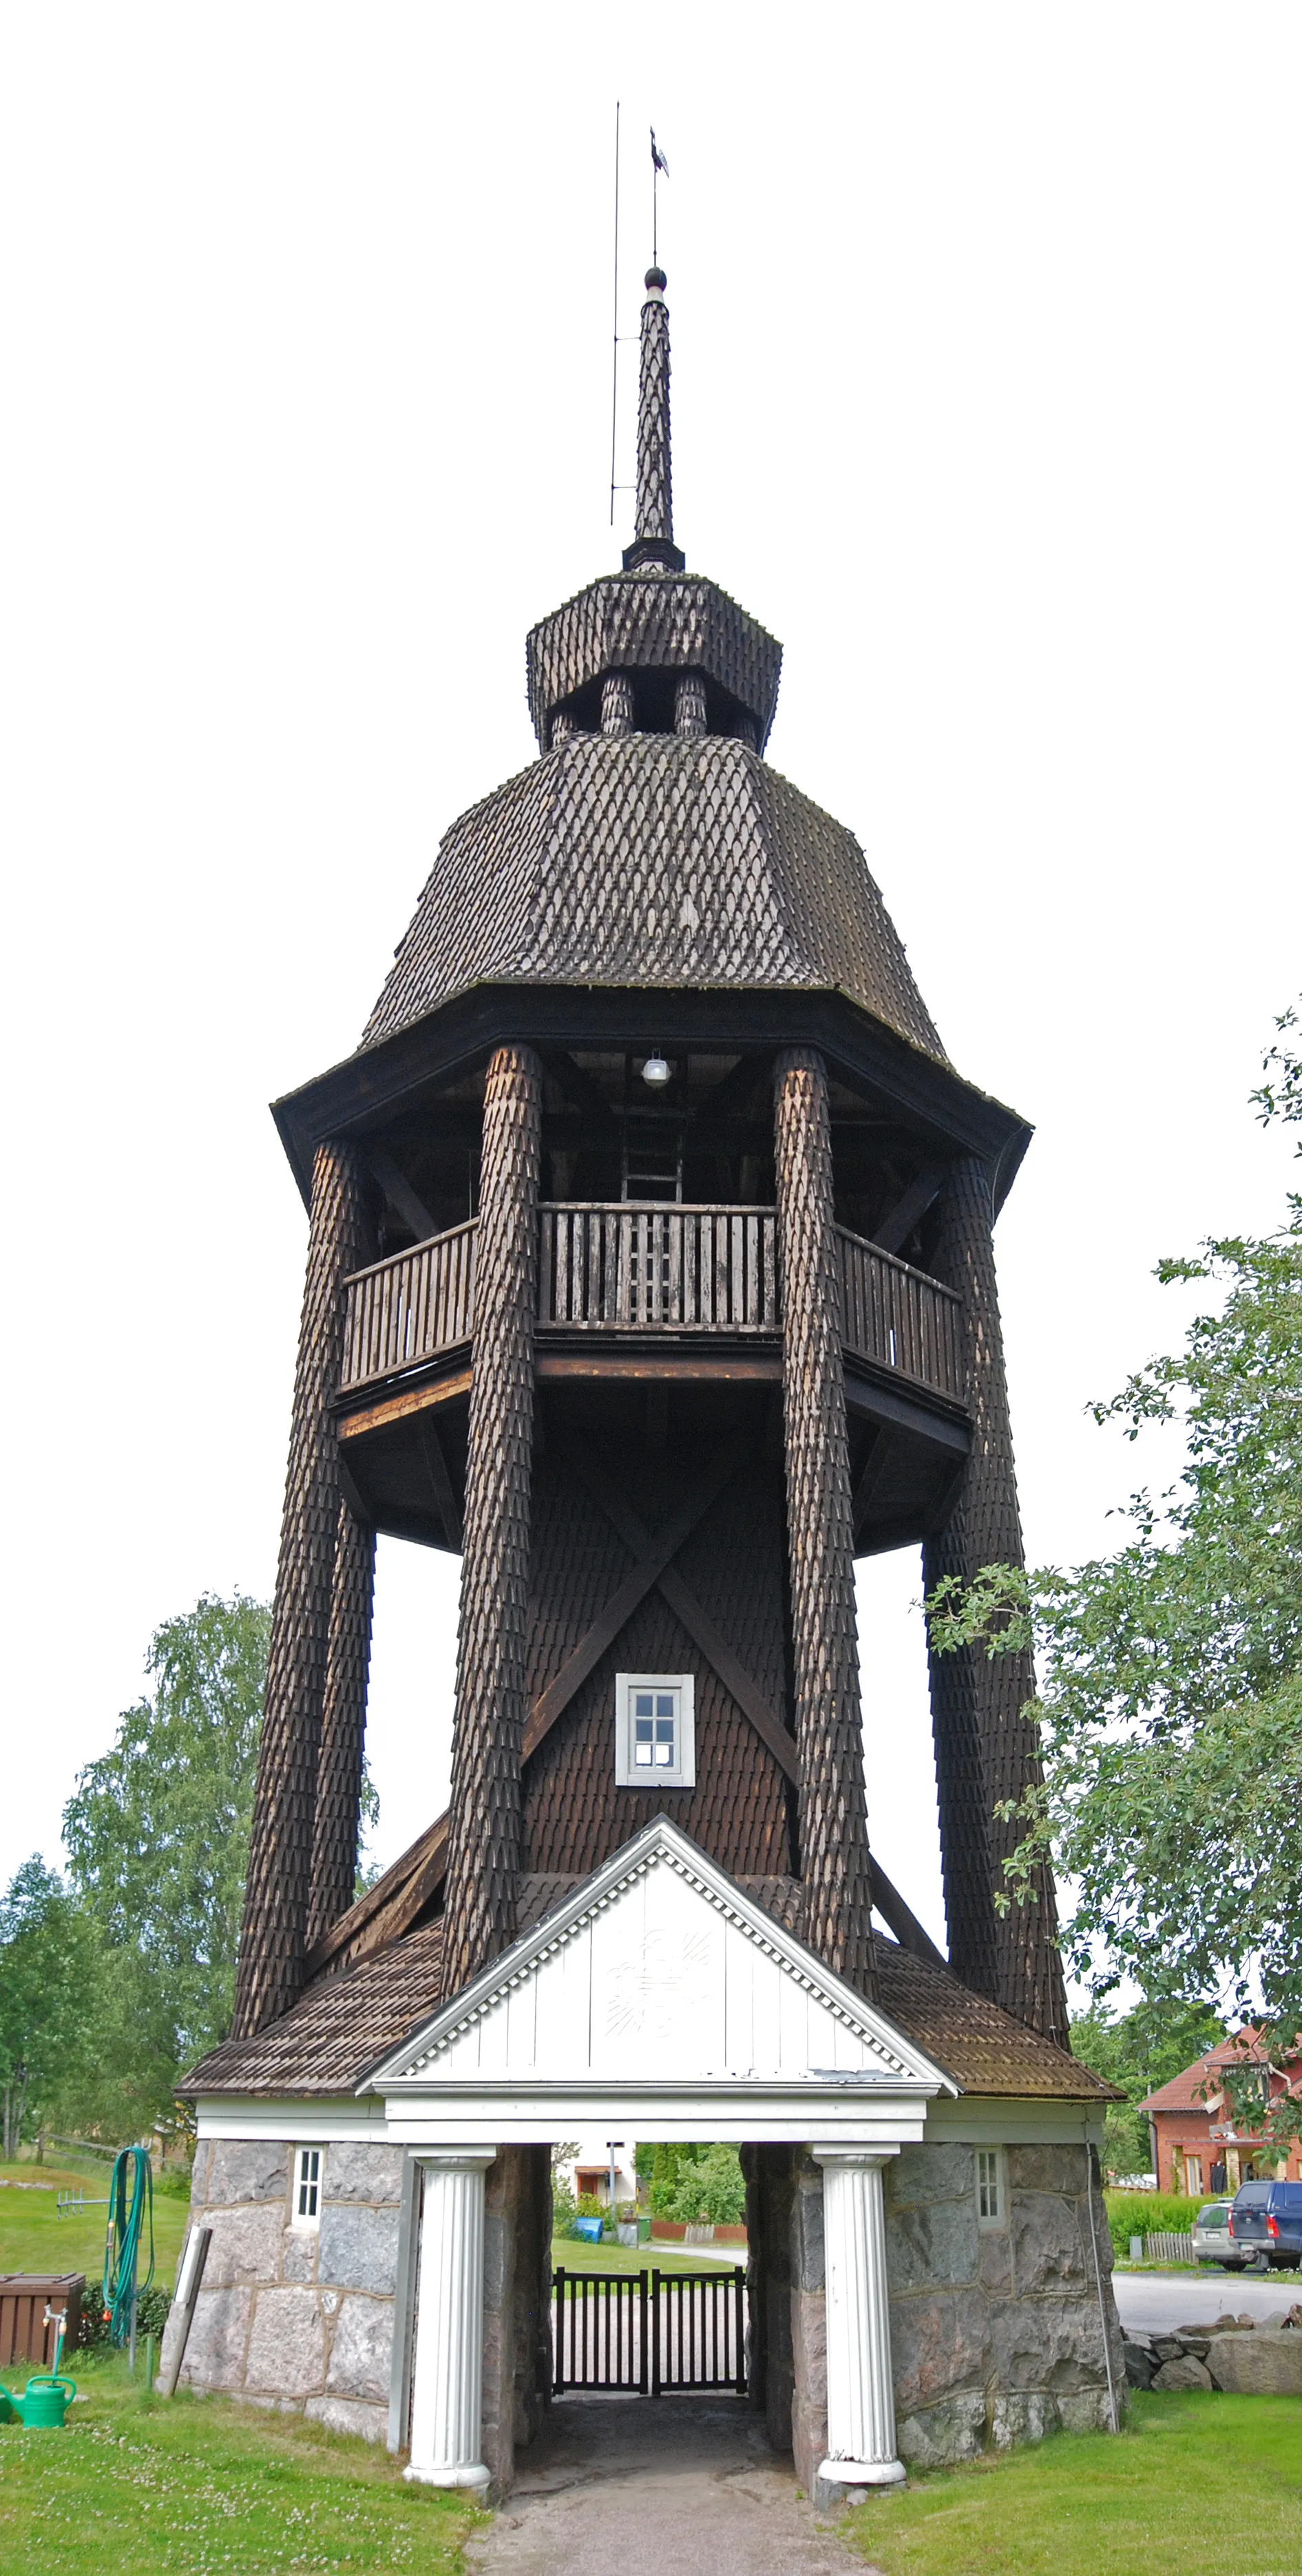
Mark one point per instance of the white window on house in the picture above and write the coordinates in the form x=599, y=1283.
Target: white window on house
x=655, y=1730
x=992, y=2196
x=307, y=2187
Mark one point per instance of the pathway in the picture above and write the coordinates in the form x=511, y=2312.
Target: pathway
x=669, y=2486
x=1149, y=2301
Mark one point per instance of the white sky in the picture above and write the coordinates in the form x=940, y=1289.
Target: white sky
x=987, y=400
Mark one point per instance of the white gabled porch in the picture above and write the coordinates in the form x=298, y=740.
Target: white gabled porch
x=659, y=2000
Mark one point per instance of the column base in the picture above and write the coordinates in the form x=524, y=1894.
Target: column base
x=474, y=2474
x=834, y=2477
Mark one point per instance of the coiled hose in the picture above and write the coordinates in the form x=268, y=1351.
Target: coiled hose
x=128, y=2208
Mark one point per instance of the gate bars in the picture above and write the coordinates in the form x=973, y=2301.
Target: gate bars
x=649, y=2333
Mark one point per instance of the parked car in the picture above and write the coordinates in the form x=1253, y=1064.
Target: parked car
x=1212, y=2241
x=1266, y=2224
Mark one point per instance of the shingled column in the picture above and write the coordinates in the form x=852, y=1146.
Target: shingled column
x=834, y=1859
x=343, y=1726
x=273, y=1936
x=485, y=1811
x=986, y=1750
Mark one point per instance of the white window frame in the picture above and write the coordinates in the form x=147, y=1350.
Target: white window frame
x=683, y=1773
x=991, y=2189
x=308, y=2184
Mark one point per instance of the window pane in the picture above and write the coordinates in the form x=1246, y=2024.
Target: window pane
x=665, y=1703
x=642, y=1703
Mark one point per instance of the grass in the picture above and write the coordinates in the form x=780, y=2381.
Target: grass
x=197, y=2487
x=576, y=2256
x=1192, y=2476
x=33, y=2237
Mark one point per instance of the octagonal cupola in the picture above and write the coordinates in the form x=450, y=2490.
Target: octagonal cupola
x=652, y=649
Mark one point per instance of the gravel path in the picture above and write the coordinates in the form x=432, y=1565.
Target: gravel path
x=668, y=2486
x=1147, y=2301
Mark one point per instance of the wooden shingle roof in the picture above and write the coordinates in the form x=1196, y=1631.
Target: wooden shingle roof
x=346, y=2024
x=658, y=861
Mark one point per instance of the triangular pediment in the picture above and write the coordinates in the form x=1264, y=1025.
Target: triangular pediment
x=659, y=1966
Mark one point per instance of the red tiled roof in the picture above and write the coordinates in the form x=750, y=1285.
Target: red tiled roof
x=1187, y=2091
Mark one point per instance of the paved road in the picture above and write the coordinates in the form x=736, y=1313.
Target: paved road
x=1147, y=2301
x=670, y=2486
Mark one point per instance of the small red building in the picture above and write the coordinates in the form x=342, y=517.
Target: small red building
x=1199, y=2145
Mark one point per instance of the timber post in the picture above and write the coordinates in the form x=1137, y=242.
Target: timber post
x=834, y=1856
x=488, y=1732
x=337, y=1828
x=987, y=1750
x=273, y=1936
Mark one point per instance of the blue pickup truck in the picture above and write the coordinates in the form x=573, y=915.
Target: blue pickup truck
x=1266, y=2224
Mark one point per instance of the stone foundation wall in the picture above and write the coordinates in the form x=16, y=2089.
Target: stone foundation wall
x=292, y=2317
x=996, y=2335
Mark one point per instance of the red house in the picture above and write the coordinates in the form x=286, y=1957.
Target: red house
x=1198, y=2143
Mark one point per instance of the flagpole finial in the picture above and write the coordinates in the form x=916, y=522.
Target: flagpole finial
x=653, y=542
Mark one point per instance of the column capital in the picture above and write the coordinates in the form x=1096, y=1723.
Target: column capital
x=856, y=2159
x=455, y=2159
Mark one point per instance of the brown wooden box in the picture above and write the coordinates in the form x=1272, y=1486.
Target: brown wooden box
x=24, y=2298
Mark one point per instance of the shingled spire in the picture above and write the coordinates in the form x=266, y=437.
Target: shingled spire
x=653, y=542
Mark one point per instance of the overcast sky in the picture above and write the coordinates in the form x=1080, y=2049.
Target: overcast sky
x=986, y=401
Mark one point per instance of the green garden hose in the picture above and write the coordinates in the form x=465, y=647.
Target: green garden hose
x=127, y=2209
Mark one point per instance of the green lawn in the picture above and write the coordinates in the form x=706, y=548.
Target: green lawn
x=195, y=2487
x=576, y=2256
x=33, y=2237
x=1194, y=2479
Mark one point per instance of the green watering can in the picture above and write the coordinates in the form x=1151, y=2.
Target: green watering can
x=43, y=2403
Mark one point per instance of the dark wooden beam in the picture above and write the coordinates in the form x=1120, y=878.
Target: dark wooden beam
x=896, y=1228
x=652, y=1555
x=581, y=1086
x=609, y=1362
x=695, y=1618
x=902, y=1921
x=388, y=1903
x=396, y=1408
x=400, y=1194
x=444, y=1497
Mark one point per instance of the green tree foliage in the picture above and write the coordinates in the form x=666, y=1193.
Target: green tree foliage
x=694, y=2182
x=50, y=1995
x=1171, y=1671
x=1137, y=2052
x=157, y=1830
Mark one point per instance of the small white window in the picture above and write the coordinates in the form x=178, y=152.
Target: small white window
x=991, y=2195
x=655, y=1730
x=307, y=2187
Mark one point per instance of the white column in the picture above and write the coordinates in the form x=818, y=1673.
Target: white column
x=448, y=2363
x=860, y=2392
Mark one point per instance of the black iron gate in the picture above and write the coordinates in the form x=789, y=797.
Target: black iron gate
x=649, y=2332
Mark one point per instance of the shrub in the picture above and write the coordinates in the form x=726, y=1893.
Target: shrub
x=1150, y=2213
x=711, y=2188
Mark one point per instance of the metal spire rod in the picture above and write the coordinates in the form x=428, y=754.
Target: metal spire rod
x=614, y=371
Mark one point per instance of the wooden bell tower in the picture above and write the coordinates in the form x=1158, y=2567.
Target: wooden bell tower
x=651, y=1269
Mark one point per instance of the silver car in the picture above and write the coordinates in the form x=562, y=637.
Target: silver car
x=1212, y=2241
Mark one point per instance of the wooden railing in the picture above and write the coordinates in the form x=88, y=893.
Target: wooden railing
x=624, y=1268
x=407, y=1309
x=900, y=1318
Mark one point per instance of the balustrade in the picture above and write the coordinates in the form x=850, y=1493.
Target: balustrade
x=619, y=1268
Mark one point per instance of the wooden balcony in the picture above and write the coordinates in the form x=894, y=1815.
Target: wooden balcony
x=619, y=1270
